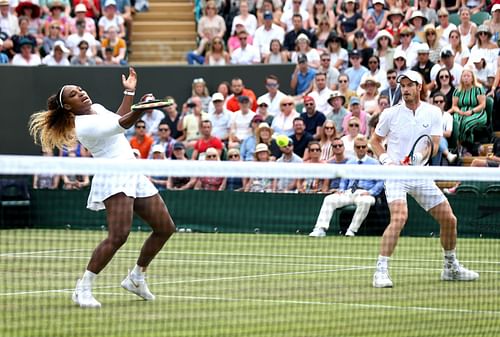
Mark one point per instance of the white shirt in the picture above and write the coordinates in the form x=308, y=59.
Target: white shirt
x=411, y=53
x=321, y=98
x=249, y=55
x=240, y=124
x=445, y=33
x=250, y=23
x=34, y=60
x=152, y=120
x=51, y=61
x=221, y=123
x=284, y=124
x=274, y=107
x=456, y=72
x=102, y=135
x=402, y=127
x=262, y=38
x=74, y=39
x=116, y=21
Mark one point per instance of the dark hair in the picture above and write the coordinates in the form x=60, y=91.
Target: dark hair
x=313, y=142
x=391, y=71
x=438, y=94
x=377, y=58
x=438, y=80
x=140, y=121
x=296, y=15
x=299, y=119
x=272, y=77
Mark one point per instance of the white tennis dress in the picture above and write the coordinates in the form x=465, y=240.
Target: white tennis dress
x=104, y=137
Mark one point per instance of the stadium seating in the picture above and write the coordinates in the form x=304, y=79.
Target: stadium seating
x=454, y=18
x=479, y=17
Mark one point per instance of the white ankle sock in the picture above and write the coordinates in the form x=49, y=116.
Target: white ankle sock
x=138, y=273
x=382, y=263
x=88, y=277
x=450, y=257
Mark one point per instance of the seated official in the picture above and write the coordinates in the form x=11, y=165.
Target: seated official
x=358, y=192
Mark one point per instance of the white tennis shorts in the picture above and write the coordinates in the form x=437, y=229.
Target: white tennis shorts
x=107, y=185
x=425, y=192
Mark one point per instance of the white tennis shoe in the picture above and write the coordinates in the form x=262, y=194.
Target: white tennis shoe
x=138, y=287
x=83, y=296
x=318, y=233
x=350, y=233
x=458, y=273
x=381, y=279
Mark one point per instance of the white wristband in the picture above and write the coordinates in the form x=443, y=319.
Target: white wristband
x=129, y=93
x=385, y=159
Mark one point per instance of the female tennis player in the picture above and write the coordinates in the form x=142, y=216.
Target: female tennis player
x=400, y=126
x=72, y=116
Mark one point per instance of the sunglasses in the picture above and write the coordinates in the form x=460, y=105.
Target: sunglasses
x=399, y=59
x=272, y=85
x=372, y=62
x=444, y=76
x=309, y=104
x=325, y=60
x=55, y=27
x=286, y=104
x=404, y=35
x=439, y=101
x=342, y=81
x=316, y=149
x=84, y=48
x=233, y=156
x=337, y=146
x=384, y=38
x=442, y=16
x=361, y=146
x=263, y=105
x=391, y=77
x=163, y=129
x=140, y=127
x=242, y=38
x=430, y=33
x=483, y=33
x=329, y=128
x=454, y=37
x=354, y=125
x=211, y=156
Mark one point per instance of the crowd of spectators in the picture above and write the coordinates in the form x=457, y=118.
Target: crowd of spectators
x=66, y=32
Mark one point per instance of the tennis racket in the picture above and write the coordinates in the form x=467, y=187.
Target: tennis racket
x=155, y=104
x=421, y=152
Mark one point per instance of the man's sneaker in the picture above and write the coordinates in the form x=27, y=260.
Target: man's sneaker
x=140, y=288
x=381, y=279
x=458, y=273
x=318, y=232
x=83, y=296
x=350, y=233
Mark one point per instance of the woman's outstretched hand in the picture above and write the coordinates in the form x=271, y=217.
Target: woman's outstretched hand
x=130, y=82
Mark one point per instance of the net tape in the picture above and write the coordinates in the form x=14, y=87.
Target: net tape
x=28, y=165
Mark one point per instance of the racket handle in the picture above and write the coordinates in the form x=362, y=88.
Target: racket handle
x=385, y=159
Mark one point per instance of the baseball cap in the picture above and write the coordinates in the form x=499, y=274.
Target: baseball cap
x=423, y=48
x=60, y=44
x=257, y=118
x=302, y=36
x=217, y=97
x=496, y=7
x=411, y=75
x=263, y=100
x=378, y=2
x=446, y=52
x=261, y=147
x=302, y=58
x=308, y=99
x=354, y=53
x=109, y=3
x=243, y=99
x=80, y=8
x=157, y=148
x=178, y=146
x=268, y=15
x=354, y=100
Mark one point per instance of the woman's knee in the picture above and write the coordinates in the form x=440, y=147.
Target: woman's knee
x=118, y=239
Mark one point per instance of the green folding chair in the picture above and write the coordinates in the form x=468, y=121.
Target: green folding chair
x=479, y=17
x=454, y=18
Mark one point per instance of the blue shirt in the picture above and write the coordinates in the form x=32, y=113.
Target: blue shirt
x=374, y=187
x=355, y=76
x=247, y=148
x=335, y=183
x=304, y=80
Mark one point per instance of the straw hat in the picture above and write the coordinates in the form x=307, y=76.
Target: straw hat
x=369, y=79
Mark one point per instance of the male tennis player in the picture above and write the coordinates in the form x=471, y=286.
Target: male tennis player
x=401, y=125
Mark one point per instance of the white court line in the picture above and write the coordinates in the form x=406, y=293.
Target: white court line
x=345, y=304
x=43, y=252
x=228, y=278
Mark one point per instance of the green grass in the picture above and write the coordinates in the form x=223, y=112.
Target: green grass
x=247, y=285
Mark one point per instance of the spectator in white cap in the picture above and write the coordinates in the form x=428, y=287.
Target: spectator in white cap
x=81, y=14
x=267, y=32
x=379, y=13
x=485, y=46
x=424, y=65
x=263, y=109
x=484, y=71
x=399, y=61
x=494, y=23
x=58, y=56
x=111, y=18
x=384, y=49
x=220, y=118
x=303, y=47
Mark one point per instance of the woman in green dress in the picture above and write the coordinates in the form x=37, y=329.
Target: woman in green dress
x=468, y=107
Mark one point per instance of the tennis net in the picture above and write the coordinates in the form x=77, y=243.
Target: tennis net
x=243, y=263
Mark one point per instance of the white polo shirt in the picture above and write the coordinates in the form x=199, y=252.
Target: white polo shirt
x=402, y=127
